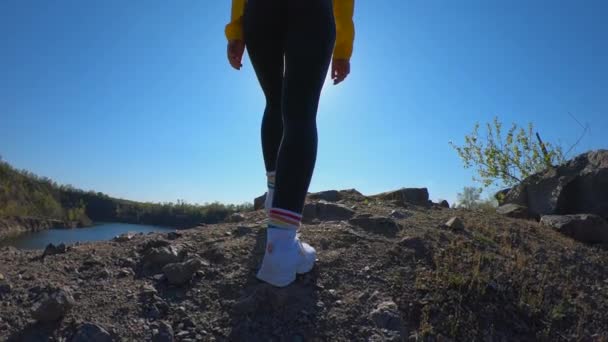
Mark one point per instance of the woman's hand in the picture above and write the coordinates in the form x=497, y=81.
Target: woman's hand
x=236, y=49
x=340, y=68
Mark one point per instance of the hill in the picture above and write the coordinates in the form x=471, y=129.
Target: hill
x=387, y=270
x=29, y=203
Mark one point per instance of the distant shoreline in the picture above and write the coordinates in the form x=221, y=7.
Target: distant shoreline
x=16, y=225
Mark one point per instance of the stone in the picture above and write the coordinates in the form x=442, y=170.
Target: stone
x=181, y=273
x=125, y=272
x=123, y=237
x=398, y=215
x=164, y=333
x=513, y=210
x=90, y=332
x=158, y=257
x=53, y=306
x=329, y=196
x=148, y=290
x=386, y=316
x=326, y=211
x=258, y=202
x=444, y=204
x=455, y=223
x=587, y=228
x=416, y=244
x=377, y=225
x=51, y=249
x=236, y=217
x=579, y=186
x=174, y=235
x=417, y=196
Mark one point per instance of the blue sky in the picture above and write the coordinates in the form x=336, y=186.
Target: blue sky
x=136, y=99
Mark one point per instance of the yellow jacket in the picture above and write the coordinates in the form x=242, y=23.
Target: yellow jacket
x=345, y=28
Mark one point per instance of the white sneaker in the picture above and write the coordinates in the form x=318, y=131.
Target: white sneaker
x=307, y=257
x=281, y=259
x=284, y=257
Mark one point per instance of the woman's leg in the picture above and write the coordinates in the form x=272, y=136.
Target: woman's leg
x=309, y=43
x=264, y=42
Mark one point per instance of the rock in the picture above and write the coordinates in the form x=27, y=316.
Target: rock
x=258, y=202
x=174, y=235
x=123, y=237
x=125, y=272
x=326, y=211
x=577, y=186
x=89, y=332
x=5, y=288
x=377, y=225
x=1, y=276
x=180, y=273
x=455, y=223
x=417, y=196
x=386, y=316
x=582, y=227
x=417, y=245
x=329, y=196
x=54, y=306
x=164, y=334
x=51, y=249
x=351, y=195
x=148, y=290
x=397, y=215
x=444, y=204
x=158, y=257
x=236, y=217
x=513, y=210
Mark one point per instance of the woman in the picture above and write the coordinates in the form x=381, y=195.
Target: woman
x=290, y=44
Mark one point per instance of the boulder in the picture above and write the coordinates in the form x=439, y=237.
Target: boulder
x=164, y=333
x=123, y=237
x=236, y=217
x=51, y=249
x=455, y=223
x=89, y=332
x=513, y=210
x=377, y=225
x=582, y=227
x=417, y=196
x=444, y=204
x=52, y=307
x=386, y=316
x=326, y=211
x=329, y=196
x=577, y=186
x=258, y=202
x=181, y=273
x=158, y=257
x=398, y=215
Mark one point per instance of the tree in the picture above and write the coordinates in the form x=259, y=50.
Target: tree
x=469, y=197
x=506, y=161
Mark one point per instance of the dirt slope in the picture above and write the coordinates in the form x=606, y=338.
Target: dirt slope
x=498, y=279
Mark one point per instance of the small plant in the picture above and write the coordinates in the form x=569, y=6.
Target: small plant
x=507, y=160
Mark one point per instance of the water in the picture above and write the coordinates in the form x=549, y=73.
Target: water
x=97, y=232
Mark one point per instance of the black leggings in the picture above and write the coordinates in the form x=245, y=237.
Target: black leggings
x=290, y=44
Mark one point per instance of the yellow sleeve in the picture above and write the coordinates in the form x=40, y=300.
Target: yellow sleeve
x=345, y=28
x=234, y=29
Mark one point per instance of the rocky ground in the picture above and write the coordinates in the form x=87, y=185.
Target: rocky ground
x=387, y=270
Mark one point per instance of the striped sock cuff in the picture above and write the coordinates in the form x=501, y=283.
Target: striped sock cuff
x=285, y=219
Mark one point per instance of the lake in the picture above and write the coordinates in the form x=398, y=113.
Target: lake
x=97, y=232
